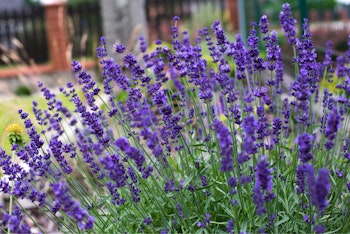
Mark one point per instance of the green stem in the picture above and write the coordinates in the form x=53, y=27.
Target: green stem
x=11, y=198
x=10, y=212
x=29, y=216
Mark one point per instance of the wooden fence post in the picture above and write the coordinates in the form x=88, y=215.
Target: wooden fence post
x=233, y=9
x=55, y=16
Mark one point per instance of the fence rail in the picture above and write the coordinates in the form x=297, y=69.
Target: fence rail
x=85, y=28
x=28, y=27
x=85, y=25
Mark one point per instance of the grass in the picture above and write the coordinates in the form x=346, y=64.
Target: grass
x=9, y=107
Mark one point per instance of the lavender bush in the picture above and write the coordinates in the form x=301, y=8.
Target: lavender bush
x=169, y=144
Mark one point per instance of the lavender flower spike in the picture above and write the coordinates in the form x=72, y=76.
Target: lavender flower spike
x=263, y=186
x=263, y=175
x=288, y=23
x=305, y=142
x=225, y=140
x=320, y=190
x=333, y=124
x=264, y=24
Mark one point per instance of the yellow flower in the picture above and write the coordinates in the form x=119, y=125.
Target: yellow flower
x=15, y=134
x=223, y=118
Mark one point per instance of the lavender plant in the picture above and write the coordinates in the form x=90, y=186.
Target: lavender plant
x=168, y=144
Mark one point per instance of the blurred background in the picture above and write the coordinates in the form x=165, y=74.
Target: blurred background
x=39, y=38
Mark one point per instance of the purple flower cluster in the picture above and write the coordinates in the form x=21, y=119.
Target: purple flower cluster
x=263, y=185
x=288, y=23
x=134, y=154
x=225, y=141
x=230, y=225
x=300, y=178
x=101, y=50
x=86, y=149
x=169, y=186
x=63, y=201
x=250, y=126
x=332, y=126
x=56, y=148
x=13, y=170
x=253, y=52
x=180, y=211
x=273, y=51
x=118, y=176
x=240, y=56
x=147, y=220
x=305, y=143
x=264, y=24
x=318, y=187
x=206, y=222
x=319, y=229
x=39, y=163
x=14, y=222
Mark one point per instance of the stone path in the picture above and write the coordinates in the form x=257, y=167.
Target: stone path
x=52, y=81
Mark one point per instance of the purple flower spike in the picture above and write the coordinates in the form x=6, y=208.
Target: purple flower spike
x=143, y=44
x=319, y=229
x=119, y=48
x=220, y=35
x=232, y=182
x=101, y=50
x=225, y=141
x=263, y=175
x=319, y=187
x=207, y=219
x=305, y=142
x=320, y=190
x=263, y=186
x=328, y=55
x=253, y=52
x=333, y=124
x=300, y=174
x=131, y=152
x=288, y=23
x=239, y=54
x=259, y=201
x=14, y=221
x=264, y=24
x=273, y=51
x=180, y=211
x=250, y=126
x=147, y=220
x=122, y=143
x=64, y=202
x=230, y=225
